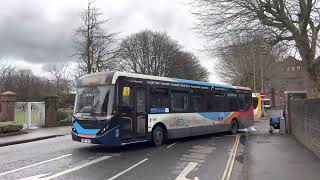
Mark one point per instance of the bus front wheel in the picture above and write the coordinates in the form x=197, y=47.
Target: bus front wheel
x=234, y=127
x=158, y=136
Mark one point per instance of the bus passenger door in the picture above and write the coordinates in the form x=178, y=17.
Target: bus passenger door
x=140, y=111
x=126, y=113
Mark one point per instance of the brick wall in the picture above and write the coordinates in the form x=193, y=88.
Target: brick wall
x=305, y=116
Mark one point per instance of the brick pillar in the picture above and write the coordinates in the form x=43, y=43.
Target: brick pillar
x=51, y=118
x=7, y=105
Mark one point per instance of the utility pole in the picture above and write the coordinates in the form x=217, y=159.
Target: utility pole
x=261, y=68
x=254, y=73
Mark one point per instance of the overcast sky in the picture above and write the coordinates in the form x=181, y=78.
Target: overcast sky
x=34, y=33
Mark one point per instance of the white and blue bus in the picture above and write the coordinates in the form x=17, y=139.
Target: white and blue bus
x=118, y=108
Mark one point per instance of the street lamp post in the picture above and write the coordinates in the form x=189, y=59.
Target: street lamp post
x=261, y=68
x=254, y=74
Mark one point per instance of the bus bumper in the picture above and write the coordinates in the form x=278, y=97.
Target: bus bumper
x=110, y=138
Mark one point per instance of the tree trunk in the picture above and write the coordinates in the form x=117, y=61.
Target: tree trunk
x=308, y=57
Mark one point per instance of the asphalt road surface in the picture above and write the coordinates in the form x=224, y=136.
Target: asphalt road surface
x=202, y=158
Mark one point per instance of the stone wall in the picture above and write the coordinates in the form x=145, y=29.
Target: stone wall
x=305, y=117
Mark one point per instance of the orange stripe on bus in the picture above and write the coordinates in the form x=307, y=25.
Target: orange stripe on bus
x=232, y=116
x=87, y=135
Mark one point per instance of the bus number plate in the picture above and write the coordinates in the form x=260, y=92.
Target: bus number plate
x=86, y=140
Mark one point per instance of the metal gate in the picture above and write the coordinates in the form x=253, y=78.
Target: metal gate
x=30, y=114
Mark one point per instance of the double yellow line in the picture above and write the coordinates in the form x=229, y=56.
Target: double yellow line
x=228, y=170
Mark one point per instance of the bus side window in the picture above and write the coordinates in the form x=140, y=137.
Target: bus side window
x=242, y=104
x=255, y=102
x=196, y=103
x=248, y=100
x=219, y=102
x=210, y=102
x=159, y=98
x=232, y=102
x=179, y=101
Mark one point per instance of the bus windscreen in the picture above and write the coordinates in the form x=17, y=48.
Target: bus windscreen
x=92, y=100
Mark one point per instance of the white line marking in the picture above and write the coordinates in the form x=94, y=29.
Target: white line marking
x=133, y=166
x=36, y=164
x=186, y=171
x=78, y=167
x=36, y=177
x=171, y=145
x=227, y=171
x=233, y=158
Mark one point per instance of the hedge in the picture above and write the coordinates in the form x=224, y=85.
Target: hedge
x=64, y=113
x=10, y=127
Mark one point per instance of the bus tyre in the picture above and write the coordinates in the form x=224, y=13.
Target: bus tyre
x=158, y=136
x=234, y=127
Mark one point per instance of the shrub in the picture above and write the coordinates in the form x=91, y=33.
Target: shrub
x=10, y=127
x=65, y=122
x=2, y=119
x=62, y=115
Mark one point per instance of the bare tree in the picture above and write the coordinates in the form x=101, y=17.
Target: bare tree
x=6, y=71
x=147, y=52
x=155, y=53
x=185, y=65
x=285, y=21
x=240, y=62
x=60, y=76
x=95, y=47
x=27, y=86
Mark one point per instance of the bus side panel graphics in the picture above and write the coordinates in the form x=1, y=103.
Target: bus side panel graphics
x=187, y=120
x=247, y=117
x=220, y=117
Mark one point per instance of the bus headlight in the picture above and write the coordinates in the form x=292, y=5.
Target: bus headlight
x=104, y=130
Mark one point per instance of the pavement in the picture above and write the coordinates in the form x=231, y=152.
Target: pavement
x=275, y=156
x=35, y=135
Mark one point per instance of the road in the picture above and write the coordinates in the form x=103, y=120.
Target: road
x=202, y=158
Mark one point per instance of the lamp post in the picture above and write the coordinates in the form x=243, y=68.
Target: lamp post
x=254, y=74
x=261, y=74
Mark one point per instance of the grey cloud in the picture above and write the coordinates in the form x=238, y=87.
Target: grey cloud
x=27, y=34
x=30, y=36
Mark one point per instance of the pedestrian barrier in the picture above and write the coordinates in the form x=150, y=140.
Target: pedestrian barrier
x=30, y=114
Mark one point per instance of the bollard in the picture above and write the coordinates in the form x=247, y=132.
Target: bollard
x=282, y=126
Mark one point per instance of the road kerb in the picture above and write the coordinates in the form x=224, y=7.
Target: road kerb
x=28, y=140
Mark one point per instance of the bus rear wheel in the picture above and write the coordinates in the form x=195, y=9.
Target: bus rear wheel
x=234, y=127
x=158, y=136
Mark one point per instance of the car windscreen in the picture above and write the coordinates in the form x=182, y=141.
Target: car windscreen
x=266, y=102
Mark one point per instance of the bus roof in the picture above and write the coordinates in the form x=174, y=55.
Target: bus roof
x=116, y=74
x=169, y=79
